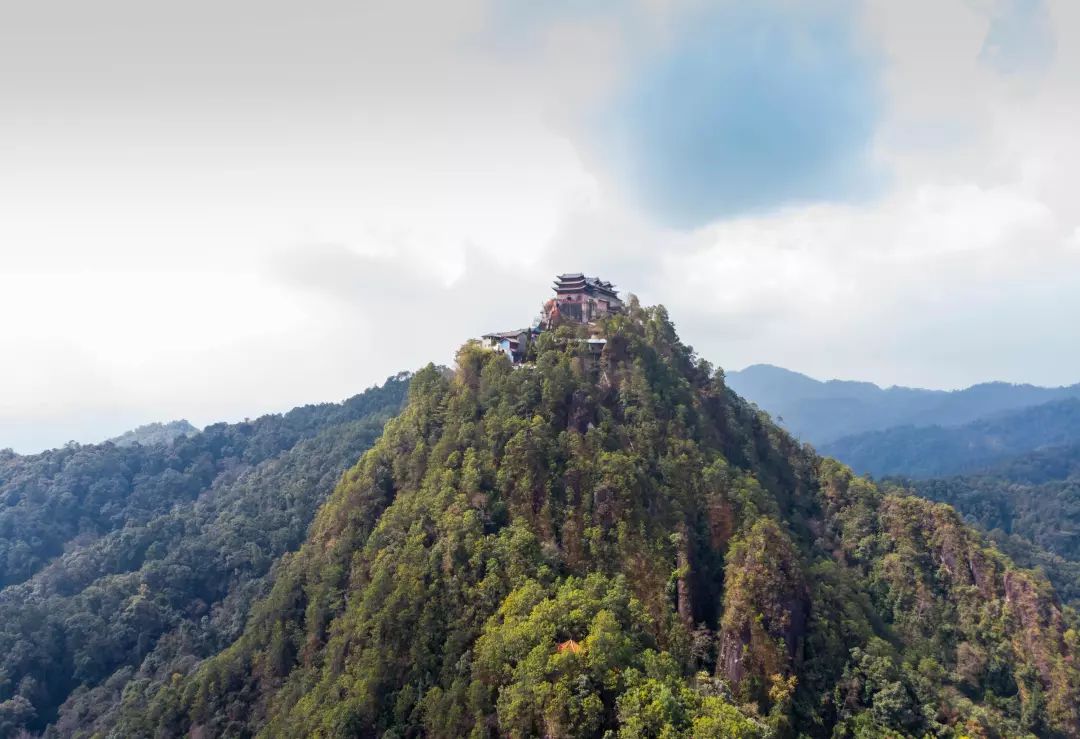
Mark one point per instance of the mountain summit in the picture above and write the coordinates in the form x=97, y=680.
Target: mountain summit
x=614, y=543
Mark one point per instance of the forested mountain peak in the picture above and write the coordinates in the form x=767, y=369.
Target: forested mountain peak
x=717, y=577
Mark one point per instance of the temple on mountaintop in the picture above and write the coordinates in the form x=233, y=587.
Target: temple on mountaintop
x=578, y=299
x=582, y=299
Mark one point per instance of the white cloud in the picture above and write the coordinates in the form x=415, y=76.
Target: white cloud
x=214, y=220
x=824, y=284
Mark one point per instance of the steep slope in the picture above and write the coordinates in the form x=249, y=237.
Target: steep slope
x=171, y=545
x=937, y=451
x=822, y=412
x=1030, y=505
x=63, y=497
x=621, y=544
x=1046, y=512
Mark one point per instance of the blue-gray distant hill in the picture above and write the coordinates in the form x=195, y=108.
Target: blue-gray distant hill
x=823, y=412
x=933, y=451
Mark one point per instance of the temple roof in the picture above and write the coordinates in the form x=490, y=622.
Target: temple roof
x=575, y=281
x=506, y=334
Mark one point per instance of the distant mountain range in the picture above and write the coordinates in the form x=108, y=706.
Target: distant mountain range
x=933, y=451
x=823, y=412
x=1005, y=456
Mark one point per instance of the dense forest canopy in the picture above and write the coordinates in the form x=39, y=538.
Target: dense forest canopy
x=1029, y=504
x=1028, y=501
x=620, y=545
x=132, y=562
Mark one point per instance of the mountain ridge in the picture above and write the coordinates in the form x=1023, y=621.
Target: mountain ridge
x=122, y=564
x=1029, y=505
x=620, y=543
x=935, y=451
x=823, y=411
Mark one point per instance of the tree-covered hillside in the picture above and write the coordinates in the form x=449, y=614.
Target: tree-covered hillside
x=1026, y=500
x=1031, y=507
x=135, y=561
x=619, y=545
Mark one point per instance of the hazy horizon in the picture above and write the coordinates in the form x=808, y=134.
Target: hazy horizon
x=213, y=212
x=118, y=428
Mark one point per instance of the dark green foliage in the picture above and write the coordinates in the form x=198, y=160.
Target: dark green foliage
x=80, y=492
x=1029, y=503
x=620, y=544
x=1031, y=507
x=1063, y=573
x=1047, y=514
x=165, y=548
x=1044, y=465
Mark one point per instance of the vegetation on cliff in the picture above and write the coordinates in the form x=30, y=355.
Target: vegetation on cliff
x=619, y=545
x=1030, y=505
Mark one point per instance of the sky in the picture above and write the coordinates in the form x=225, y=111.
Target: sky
x=214, y=210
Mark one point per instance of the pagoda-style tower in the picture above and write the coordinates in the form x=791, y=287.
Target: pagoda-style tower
x=584, y=299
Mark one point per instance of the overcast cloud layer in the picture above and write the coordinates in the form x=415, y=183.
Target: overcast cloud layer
x=215, y=210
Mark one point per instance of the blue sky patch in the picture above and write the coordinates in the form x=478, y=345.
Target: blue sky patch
x=1020, y=39
x=747, y=108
